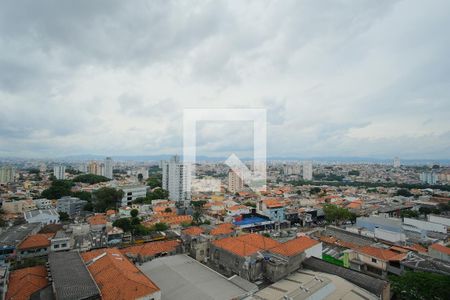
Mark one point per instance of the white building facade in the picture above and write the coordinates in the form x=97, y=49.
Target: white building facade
x=177, y=180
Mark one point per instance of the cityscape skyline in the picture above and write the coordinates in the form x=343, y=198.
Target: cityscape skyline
x=336, y=80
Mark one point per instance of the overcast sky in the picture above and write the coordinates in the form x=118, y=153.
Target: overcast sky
x=338, y=78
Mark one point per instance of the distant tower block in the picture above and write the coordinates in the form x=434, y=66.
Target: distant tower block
x=397, y=162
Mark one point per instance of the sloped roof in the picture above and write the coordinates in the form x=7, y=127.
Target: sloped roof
x=441, y=248
x=383, y=254
x=39, y=240
x=194, y=230
x=24, y=282
x=247, y=244
x=224, y=228
x=295, y=246
x=116, y=276
x=152, y=248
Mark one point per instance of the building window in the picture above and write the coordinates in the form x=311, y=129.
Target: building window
x=56, y=246
x=63, y=245
x=374, y=260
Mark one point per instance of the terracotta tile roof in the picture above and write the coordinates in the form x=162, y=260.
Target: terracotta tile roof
x=24, y=282
x=194, y=230
x=99, y=219
x=340, y=243
x=383, y=254
x=441, y=248
x=419, y=248
x=152, y=248
x=176, y=219
x=247, y=244
x=354, y=204
x=165, y=214
x=117, y=277
x=295, y=246
x=110, y=212
x=225, y=228
x=40, y=240
x=273, y=203
x=237, y=207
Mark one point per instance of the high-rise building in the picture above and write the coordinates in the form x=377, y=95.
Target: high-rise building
x=177, y=180
x=307, y=170
x=7, y=174
x=397, y=162
x=109, y=168
x=235, y=182
x=59, y=172
x=429, y=177
x=93, y=168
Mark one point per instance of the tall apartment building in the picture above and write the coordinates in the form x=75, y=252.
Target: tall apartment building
x=177, y=180
x=235, y=182
x=59, y=172
x=7, y=174
x=109, y=168
x=429, y=177
x=93, y=168
x=397, y=162
x=307, y=170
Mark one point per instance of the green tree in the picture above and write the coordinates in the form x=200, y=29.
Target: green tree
x=337, y=215
x=140, y=177
x=155, y=181
x=3, y=222
x=404, y=193
x=58, y=189
x=157, y=194
x=106, y=198
x=315, y=190
x=134, y=213
x=197, y=217
x=63, y=216
x=83, y=195
x=168, y=210
x=90, y=178
x=124, y=224
x=161, y=226
x=420, y=285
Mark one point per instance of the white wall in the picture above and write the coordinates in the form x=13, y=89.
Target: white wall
x=439, y=220
x=315, y=251
x=389, y=235
x=424, y=225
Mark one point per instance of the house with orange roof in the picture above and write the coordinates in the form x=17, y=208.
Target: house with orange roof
x=24, y=282
x=222, y=230
x=148, y=251
x=196, y=242
x=254, y=256
x=273, y=208
x=35, y=245
x=439, y=251
x=376, y=261
x=237, y=210
x=117, y=277
x=97, y=222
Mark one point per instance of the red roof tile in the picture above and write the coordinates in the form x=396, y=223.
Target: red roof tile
x=383, y=254
x=40, y=240
x=295, y=246
x=247, y=244
x=194, y=230
x=152, y=248
x=441, y=248
x=225, y=228
x=117, y=277
x=24, y=282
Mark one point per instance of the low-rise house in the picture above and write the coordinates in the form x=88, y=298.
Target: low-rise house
x=195, y=242
x=43, y=203
x=23, y=283
x=273, y=208
x=241, y=255
x=439, y=251
x=237, y=210
x=70, y=205
x=114, y=235
x=18, y=206
x=376, y=261
x=148, y=251
x=11, y=237
x=45, y=216
x=76, y=284
x=117, y=277
x=222, y=231
x=97, y=222
x=60, y=242
x=35, y=245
